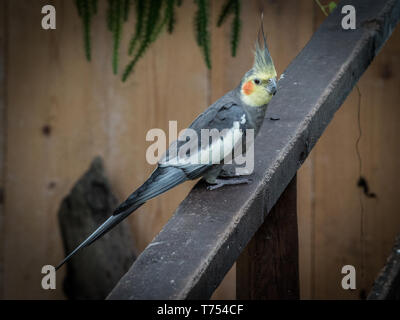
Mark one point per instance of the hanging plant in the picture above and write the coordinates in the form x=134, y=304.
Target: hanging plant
x=232, y=7
x=152, y=17
x=86, y=10
x=117, y=14
x=148, y=34
x=127, y=6
x=201, y=27
x=140, y=12
x=327, y=8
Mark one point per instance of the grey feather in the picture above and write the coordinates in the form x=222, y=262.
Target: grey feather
x=100, y=231
x=160, y=181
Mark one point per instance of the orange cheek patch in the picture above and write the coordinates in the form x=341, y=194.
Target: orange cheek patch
x=248, y=88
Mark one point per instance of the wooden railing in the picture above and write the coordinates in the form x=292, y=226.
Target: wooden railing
x=387, y=284
x=256, y=224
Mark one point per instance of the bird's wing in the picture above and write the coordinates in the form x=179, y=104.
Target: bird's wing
x=195, y=151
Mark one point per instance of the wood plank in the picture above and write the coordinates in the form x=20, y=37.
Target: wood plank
x=337, y=198
x=387, y=285
x=306, y=225
x=335, y=166
x=380, y=151
x=268, y=268
x=200, y=243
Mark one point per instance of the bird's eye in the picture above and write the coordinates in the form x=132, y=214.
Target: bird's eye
x=257, y=81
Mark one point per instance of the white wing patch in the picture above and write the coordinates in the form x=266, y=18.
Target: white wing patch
x=221, y=147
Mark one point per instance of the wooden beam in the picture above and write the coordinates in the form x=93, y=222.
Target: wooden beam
x=199, y=244
x=387, y=285
x=268, y=267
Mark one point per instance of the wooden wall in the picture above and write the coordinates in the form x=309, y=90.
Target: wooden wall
x=58, y=111
x=339, y=225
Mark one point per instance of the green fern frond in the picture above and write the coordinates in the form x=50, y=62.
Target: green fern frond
x=86, y=15
x=201, y=28
x=236, y=25
x=225, y=11
x=232, y=7
x=152, y=17
x=85, y=12
x=110, y=15
x=170, y=15
x=322, y=7
x=127, y=7
x=79, y=7
x=198, y=25
x=94, y=6
x=161, y=23
x=141, y=11
x=332, y=6
x=153, y=14
x=153, y=22
x=117, y=18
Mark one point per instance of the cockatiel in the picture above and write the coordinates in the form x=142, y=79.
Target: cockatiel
x=242, y=108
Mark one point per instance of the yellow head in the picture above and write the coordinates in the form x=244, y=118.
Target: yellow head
x=259, y=84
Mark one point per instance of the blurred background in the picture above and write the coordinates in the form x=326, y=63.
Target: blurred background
x=58, y=111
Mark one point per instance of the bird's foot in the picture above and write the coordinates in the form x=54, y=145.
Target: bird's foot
x=218, y=183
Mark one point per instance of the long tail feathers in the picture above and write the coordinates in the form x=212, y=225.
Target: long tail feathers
x=162, y=179
x=100, y=231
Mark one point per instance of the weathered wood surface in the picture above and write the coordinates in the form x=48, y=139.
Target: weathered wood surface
x=331, y=235
x=199, y=244
x=387, y=285
x=268, y=268
x=94, y=271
